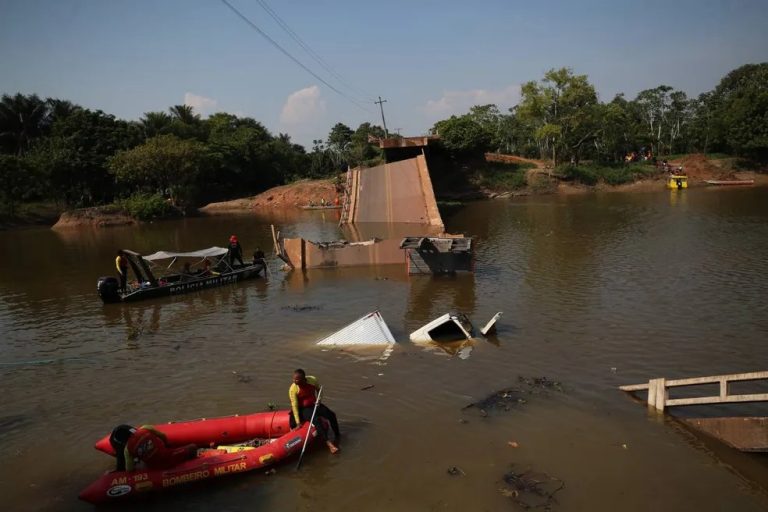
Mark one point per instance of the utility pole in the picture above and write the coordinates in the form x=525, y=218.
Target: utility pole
x=380, y=103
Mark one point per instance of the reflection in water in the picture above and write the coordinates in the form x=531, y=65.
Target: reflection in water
x=597, y=291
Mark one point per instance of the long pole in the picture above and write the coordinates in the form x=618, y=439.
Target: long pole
x=381, y=103
x=309, y=430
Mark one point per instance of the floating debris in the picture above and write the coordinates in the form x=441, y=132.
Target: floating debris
x=245, y=379
x=531, y=489
x=369, y=386
x=368, y=330
x=447, y=328
x=506, y=399
x=456, y=471
x=298, y=308
x=490, y=327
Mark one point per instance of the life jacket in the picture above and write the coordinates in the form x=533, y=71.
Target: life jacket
x=306, y=394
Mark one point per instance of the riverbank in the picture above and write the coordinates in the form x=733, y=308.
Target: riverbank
x=293, y=195
x=500, y=176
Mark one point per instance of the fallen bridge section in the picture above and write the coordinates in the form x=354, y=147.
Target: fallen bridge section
x=394, y=192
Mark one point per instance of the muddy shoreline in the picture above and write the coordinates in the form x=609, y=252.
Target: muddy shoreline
x=305, y=192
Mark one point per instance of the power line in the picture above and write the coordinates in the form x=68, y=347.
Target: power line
x=310, y=51
x=287, y=54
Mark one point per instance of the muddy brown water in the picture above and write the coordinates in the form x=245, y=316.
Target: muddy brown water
x=596, y=290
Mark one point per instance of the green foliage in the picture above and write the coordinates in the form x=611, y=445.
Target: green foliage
x=146, y=206
x=562, y=111
x=16, y=174
x=581, y=174
x=616, y=174
x=166, y=163
x=22, y=120
x=502, y=176
x=463, y=136
x=541, y=183
x=740, y=109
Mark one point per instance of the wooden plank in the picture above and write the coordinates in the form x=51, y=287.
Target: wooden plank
x=274, y=240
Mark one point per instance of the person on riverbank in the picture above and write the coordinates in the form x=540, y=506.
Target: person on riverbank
x=303, y=396
x=121, y=262
x=235, y=251
x=148, y=445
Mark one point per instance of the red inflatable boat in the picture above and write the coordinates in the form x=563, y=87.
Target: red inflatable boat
x=218, y=458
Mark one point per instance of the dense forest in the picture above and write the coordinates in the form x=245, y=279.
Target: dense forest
x=54, y=150
x=560, y=118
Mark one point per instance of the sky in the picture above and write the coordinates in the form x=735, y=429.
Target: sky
x=428, y=59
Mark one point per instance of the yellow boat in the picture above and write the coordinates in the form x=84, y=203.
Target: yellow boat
x=677, y=181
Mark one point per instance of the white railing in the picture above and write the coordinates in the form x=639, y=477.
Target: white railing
x=658, y=390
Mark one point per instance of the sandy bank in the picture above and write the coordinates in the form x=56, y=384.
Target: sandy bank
x=96, y=217
x=292, y=195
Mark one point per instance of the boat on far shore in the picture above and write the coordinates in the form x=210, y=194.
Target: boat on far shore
x=730, y=182
x=320, y=207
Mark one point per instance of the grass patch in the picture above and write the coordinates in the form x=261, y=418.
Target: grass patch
x=500, y=176
x=543, y=184
x=678, y=156
x=591, y=174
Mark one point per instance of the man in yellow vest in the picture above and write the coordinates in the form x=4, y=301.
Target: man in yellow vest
x=303, y=396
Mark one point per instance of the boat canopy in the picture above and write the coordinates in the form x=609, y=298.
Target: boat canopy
x=211, y=252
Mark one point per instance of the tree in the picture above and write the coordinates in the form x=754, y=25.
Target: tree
x=364, y=144
x=339, y=140
x=162, y=163
x=22, y=119
x=561, y=109
x=185, y=114
x=16, y=177
x=618, y=131
x=155, y=123
x=490, y=119
x=463, y=136
x=60, y=109
x=73, y=159
x=740, y=105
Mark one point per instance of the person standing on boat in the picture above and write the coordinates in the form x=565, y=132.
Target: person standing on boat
x=235, y=251
x=303, y=396
x=121, y=262
x=258, y=257
x=147, y=445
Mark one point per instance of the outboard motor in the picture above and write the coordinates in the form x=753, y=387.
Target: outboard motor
x=109, y=289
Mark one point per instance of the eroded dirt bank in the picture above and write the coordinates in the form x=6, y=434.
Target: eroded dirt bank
x=285, y=196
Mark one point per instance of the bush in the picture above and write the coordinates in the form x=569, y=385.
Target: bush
x=503, y=176
x=586, y=175
x=147, y=207
x=591, y=174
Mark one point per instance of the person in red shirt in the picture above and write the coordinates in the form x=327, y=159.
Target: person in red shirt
x=149, y=446
x=303, y=396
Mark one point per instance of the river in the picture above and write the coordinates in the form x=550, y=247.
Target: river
x=597, y=291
